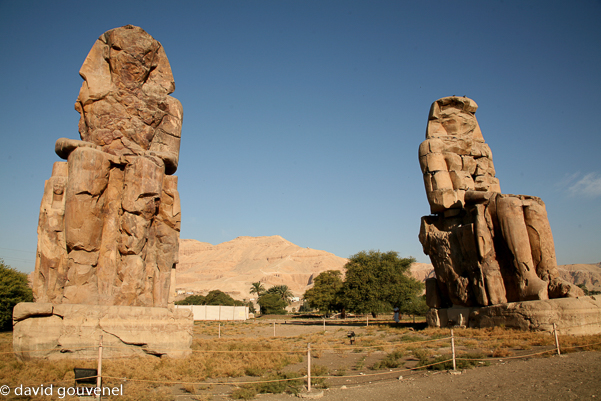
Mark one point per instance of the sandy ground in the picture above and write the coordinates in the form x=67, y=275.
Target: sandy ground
x=575, y=375
x=567, y=377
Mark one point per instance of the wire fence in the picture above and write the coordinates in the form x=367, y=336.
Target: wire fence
x=308, y=378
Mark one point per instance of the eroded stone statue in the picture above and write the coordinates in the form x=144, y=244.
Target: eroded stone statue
x=110, y=216
x=487, y=248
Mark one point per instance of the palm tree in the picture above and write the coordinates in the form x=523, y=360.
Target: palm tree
x=282, y=291
x=257, y=288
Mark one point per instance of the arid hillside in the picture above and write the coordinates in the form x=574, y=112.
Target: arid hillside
x=587, y=274
x=234, y=265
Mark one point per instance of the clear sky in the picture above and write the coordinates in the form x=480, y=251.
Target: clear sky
x=303, y=118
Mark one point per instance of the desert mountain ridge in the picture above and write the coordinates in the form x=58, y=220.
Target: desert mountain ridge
x=234, y=265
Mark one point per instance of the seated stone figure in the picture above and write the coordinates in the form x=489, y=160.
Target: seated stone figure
x=110, y=217
x=487, y=248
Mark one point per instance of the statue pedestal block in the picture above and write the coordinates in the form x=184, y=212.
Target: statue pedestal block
x=577, y=316
x=58, y=331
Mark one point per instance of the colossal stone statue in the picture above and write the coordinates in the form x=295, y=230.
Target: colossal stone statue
x=110, y=216
x=487, y=248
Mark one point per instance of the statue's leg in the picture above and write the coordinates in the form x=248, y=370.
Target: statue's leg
x=511, y=218
x=495, y=287
x=541, y=239
x=167, y=235
x=141, y=198
x=543, y=250
x=84, y=211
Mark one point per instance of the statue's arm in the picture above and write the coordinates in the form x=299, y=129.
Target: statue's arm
x=64, y=146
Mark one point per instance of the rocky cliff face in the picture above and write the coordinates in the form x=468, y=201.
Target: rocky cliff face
x=587, y=274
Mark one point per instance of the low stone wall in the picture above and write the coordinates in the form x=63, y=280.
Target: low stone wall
x=57, y=331
x=576, y=316
x=216, y=312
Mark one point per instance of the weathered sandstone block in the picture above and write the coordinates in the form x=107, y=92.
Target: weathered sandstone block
x=578, y=316
x=58, y=331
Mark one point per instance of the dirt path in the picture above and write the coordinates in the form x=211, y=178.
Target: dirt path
x=567, y=377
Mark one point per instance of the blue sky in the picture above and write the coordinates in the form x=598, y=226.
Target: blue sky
x=303, y=118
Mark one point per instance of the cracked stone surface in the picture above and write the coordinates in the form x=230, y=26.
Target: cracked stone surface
x=44, y=330
x=110, y=217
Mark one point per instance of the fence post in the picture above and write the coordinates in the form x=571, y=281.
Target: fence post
x=324, y=324
x=308, y=366
x=367, y=320
x=274, y=329
x=453, y=349
x=556, y=339
x=219, y=330
x=99, y=377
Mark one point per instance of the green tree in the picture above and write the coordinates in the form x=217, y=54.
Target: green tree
x=282, y=291
x=272, y=304
x=192, y=300
x=326, y=292
x=257, y=288
x=376, y=282
x=13, y=289
x=218, y=297
x=583, y=288
x=415, y=306
x=215, y=297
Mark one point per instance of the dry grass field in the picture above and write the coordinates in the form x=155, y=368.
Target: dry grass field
x=242, y=359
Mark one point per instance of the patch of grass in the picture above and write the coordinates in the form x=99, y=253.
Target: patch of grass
x=391, y=361
x=501, y=352
x=316, y=371
x=422, y=355
x=244, y=393
x=275, y=384
x=360, y=363
x=463, y=361
x=408, y=338
x=469, y=343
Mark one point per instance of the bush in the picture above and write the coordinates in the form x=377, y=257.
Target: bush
x=215, y=297
x=271, y=385
x=272, y=304
x=391, y=361
x=13, y=289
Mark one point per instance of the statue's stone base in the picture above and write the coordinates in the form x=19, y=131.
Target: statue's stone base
x=58, y=331
x=576, y=316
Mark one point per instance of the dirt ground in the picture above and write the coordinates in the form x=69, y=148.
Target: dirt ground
x=570, y=377
x=576, y=375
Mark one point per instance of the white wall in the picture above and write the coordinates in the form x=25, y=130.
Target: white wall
x=213, y=312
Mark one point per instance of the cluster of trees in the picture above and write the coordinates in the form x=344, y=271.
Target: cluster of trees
x=274, y=300
x=215, y=297
x=375, y=282
x=271, y=301
x=13, y=289
x=587, y=292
